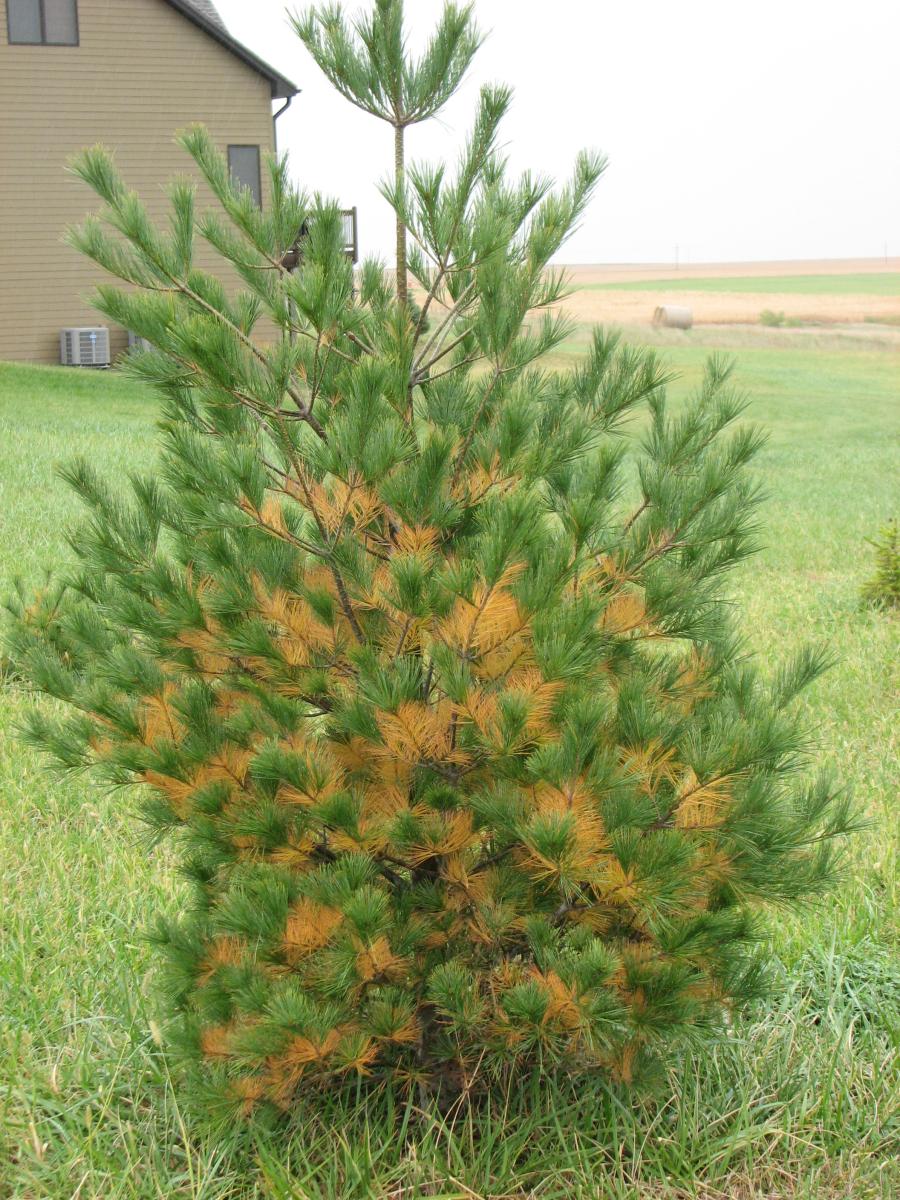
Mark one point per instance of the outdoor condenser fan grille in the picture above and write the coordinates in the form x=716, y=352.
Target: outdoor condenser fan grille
x=86, y=346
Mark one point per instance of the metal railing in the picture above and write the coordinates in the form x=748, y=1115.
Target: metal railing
x=350, y=238
x=351, y=233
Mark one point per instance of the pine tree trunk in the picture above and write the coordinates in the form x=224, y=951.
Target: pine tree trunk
x=399, y=172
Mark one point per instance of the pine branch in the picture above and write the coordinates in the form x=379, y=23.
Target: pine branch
x=457, y=308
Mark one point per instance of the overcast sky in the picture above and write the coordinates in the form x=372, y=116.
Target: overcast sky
x=735, y=131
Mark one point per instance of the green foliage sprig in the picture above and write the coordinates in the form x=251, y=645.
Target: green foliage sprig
x=883, y=588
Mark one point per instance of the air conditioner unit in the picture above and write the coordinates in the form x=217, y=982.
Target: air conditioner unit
x=137, y=344
x=87, y=346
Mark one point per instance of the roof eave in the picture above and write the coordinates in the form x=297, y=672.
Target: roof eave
x=282, y=87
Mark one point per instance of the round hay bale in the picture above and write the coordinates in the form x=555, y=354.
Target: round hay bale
x=673, y=316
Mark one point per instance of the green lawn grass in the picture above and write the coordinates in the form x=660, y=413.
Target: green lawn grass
x=862, y=284
x=800, y=1100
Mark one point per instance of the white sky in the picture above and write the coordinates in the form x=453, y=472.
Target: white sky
x=736, y=129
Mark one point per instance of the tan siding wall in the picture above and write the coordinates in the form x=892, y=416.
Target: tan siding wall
x=141, y=72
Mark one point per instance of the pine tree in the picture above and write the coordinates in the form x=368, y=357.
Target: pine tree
x=882, y=588
x=426, y=662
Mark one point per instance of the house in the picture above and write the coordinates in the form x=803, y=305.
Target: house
x=127, y=73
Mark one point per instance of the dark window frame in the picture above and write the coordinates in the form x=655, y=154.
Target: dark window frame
x=258, y=197
x=43, y=20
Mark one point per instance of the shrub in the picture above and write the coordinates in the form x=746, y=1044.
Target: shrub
x=883, y=588
x=770, y=318
x=429, y=668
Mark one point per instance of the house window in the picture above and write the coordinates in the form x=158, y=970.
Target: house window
x=243, y=162
x=42, y=22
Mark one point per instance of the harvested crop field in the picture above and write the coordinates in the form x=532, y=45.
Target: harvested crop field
x=843, y=291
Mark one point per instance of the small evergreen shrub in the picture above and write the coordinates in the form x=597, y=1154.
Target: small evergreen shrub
x=427, y=665
x=883, y=588
x=771, y=318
